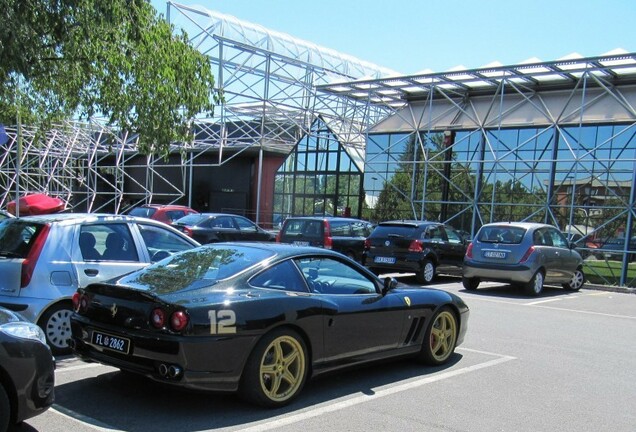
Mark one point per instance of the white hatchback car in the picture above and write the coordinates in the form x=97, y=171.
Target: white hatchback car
x=44, y=259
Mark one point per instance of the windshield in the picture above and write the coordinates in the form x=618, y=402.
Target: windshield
x=197, y=268
x=146, y=212
x=191, y=219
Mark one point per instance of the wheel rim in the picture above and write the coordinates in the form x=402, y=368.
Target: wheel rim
x=429, y=272
x=538, y=282
x=282, y=368
x=443, y=334
x=58, y=328
x=577, y=280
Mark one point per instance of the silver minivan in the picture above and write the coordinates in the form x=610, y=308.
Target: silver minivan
x=522, y=253
x=44, y=259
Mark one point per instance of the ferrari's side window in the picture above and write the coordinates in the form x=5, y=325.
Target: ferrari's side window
x=283, y=276
x=330, y=276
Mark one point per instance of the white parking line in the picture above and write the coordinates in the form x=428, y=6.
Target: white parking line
x=78, y=367
x=570, y=297
x=386, y=391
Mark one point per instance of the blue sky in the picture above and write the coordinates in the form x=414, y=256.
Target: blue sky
x=413, y=35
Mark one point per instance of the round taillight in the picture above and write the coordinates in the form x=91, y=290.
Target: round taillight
x=158, y=318
x=80, y=302
x=178, y=320
x=83, y=303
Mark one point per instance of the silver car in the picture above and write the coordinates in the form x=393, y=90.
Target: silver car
x=44, y=259
x=525, y=254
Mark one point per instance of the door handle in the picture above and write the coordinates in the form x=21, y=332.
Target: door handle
x=91, y=272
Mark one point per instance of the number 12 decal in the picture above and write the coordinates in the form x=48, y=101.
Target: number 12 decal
x=222, y=321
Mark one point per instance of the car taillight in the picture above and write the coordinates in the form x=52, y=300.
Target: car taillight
x=527, y=254
x=187, y=231
x=327, y=240
x=80, y=302
x=415, y=246
x=178, y=320
x=278, y=237
x=28, y=265
x=158, y=318
x=367, y=244
x=469, y=250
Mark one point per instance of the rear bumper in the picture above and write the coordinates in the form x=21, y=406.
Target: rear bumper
x=497, y=272
x=410, y=263
x=209, y=364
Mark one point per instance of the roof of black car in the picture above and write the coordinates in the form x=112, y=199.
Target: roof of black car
x=409, y=222
x=328, y=218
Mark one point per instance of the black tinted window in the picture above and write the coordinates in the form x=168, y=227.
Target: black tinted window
x=16, y=237
x=395, y=230
x=142, y=212
x=340, y=228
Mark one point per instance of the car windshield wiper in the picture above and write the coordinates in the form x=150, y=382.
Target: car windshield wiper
x=395, y=235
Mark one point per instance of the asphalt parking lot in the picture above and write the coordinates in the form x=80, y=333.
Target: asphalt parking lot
x=562, y=361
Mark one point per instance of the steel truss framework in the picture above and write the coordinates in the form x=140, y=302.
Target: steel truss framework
x=268, y=81
x=552, y=142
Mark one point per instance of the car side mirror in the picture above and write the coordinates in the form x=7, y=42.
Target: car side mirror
x=389, y=283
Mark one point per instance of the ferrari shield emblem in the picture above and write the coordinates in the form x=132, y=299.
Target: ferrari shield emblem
x=407, y=301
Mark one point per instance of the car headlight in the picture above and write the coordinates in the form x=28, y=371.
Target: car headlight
x=24, y=330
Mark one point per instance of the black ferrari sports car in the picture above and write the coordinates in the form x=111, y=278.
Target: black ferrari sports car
x=259, y=319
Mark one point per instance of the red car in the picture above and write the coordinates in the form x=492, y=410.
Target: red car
x=166, y=213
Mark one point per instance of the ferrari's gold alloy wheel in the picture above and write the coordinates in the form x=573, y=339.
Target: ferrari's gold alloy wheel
x=282, y=368
x=443, y=335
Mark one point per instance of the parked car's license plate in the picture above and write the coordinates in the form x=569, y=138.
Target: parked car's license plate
x=301, y=243
x=495, y=254
x=384, y=260
x=111, y=342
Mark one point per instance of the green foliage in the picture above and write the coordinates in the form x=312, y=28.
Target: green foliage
x=115, y=59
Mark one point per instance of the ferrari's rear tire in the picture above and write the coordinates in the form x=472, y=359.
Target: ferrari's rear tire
x=440, y=338
x=427, y=272
x=276, y=370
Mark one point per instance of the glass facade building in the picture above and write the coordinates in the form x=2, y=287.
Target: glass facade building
x=552, y=142
x=318, y=178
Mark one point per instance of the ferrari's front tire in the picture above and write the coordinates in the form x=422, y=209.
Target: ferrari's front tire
x=276, y=370
x=440, y=338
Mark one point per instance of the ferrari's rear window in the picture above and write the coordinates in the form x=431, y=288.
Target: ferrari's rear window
x=198, y=267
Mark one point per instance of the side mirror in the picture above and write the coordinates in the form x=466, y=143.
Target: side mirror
x=389, y=283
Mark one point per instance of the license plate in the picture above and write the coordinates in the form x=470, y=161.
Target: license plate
x=301, y=243
x=111, y=342
x=384, y=260
x=495, y=254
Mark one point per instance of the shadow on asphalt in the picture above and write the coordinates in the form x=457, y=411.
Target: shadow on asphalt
x=130, y=402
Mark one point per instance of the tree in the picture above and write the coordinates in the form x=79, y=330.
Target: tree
x=116, y=59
